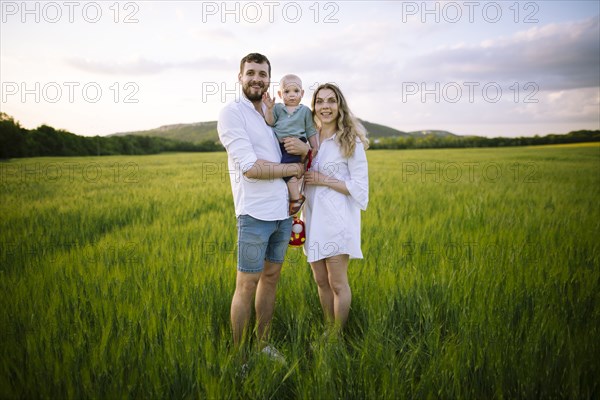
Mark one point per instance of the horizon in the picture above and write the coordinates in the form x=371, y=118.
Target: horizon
x=122, y=133
x=371, y=122
x=483, y=68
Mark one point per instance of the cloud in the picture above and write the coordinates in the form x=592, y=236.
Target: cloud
x=138, y=66
x=556, y=57
x=357, y=49
x=221, y=35
x=143, y=66
x=564, y=106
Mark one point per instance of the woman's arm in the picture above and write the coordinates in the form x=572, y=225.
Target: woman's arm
x=358, y=184
x=357, y=187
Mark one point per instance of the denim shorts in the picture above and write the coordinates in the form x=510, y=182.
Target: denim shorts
x=261, y=240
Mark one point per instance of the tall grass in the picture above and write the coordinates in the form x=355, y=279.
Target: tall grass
x=480, y=280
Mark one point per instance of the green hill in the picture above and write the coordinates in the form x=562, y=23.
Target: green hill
x=199, y=132
x=419, y=134
x=379, y=131
x=196, y=132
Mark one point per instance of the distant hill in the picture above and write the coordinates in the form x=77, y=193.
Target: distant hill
x=419, y=134
x=379, y=131
x=196, y=132
x=199, y=132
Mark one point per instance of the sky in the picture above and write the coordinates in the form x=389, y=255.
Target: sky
x=488, y=68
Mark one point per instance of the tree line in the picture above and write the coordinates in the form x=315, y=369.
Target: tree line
x=439, y=142
x=16, y=141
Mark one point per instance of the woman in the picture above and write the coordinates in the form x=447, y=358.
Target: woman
x=337, y=188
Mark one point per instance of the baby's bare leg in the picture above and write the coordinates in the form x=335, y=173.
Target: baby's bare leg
x=293, y=188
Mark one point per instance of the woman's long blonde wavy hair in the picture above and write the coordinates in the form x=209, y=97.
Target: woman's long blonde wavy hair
x=349, y=128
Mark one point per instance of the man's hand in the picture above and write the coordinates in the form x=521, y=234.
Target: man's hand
x=301, y=170
x=266, y=98
x=295, y=170
x=295, y=146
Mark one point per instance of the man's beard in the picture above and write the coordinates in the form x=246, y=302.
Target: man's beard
x=254, y=97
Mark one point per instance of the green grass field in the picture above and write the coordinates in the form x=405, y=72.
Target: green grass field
x=480, y=280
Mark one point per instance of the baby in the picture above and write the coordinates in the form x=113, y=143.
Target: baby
x=291, y=119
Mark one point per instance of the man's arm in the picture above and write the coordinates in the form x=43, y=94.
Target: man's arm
x=234, y=138
x=236, y=142
x=263, y=169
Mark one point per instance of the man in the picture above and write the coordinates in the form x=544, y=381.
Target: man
x=260, y=200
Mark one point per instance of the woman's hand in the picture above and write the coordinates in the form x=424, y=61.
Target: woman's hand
x=295, y=146
x=318, y=179
x=315, y=178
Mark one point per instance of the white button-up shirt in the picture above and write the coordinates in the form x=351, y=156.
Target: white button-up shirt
x=247, y=138
x=332, y=218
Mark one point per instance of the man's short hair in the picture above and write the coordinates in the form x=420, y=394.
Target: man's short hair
x=255, y=58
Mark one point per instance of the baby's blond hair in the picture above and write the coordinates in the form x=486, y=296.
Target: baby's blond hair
x=289, y=78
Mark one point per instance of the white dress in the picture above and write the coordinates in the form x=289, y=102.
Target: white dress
x=333, y=219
